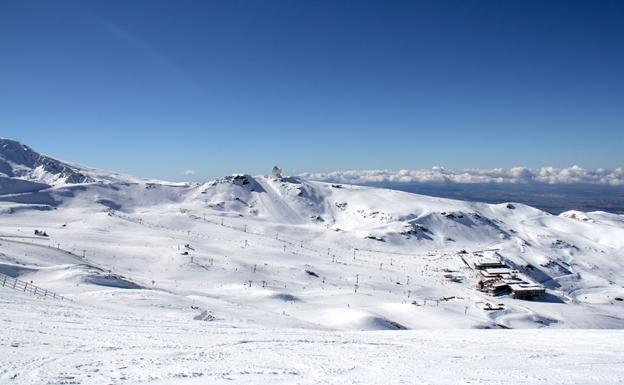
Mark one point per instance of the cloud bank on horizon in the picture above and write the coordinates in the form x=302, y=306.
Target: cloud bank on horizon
x=546, y=175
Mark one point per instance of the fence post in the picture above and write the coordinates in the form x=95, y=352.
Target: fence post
x=28, y=288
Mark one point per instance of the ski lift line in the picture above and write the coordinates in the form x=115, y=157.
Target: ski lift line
x=264, y=235
x=44, y=246
x=24, y=237
x=293, y=243
x=192, y=233
x=272, y=235
x=329, y=283
x=246, y=229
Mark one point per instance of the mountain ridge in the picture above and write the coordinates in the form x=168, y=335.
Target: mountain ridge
x=18, y=160
x=310, y=254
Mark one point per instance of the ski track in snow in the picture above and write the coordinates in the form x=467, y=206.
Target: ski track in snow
x=273, y=202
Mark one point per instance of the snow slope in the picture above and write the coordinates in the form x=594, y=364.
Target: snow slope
x=314, y=254
x=79, y=344
x=199, y=278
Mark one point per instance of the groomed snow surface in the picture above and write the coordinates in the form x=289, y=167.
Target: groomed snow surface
x=54, y=342
x=282, y=280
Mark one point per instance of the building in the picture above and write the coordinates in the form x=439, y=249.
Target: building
x=499, y=272
x=493, y=286
x=485, y=263
x=276, y=172
x=526, y=290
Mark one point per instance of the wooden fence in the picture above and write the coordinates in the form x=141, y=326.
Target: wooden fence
x=26, y=287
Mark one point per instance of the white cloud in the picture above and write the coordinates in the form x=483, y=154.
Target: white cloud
x=189, y=172
x=547, y=175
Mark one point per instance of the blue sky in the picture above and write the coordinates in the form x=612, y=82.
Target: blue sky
x=154, y=88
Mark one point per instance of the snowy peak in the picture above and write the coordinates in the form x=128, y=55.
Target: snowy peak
x=19, y=161
x=304, y=253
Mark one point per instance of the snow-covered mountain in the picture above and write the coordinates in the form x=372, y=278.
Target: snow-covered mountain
x=20, y=162
x=284, y=251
